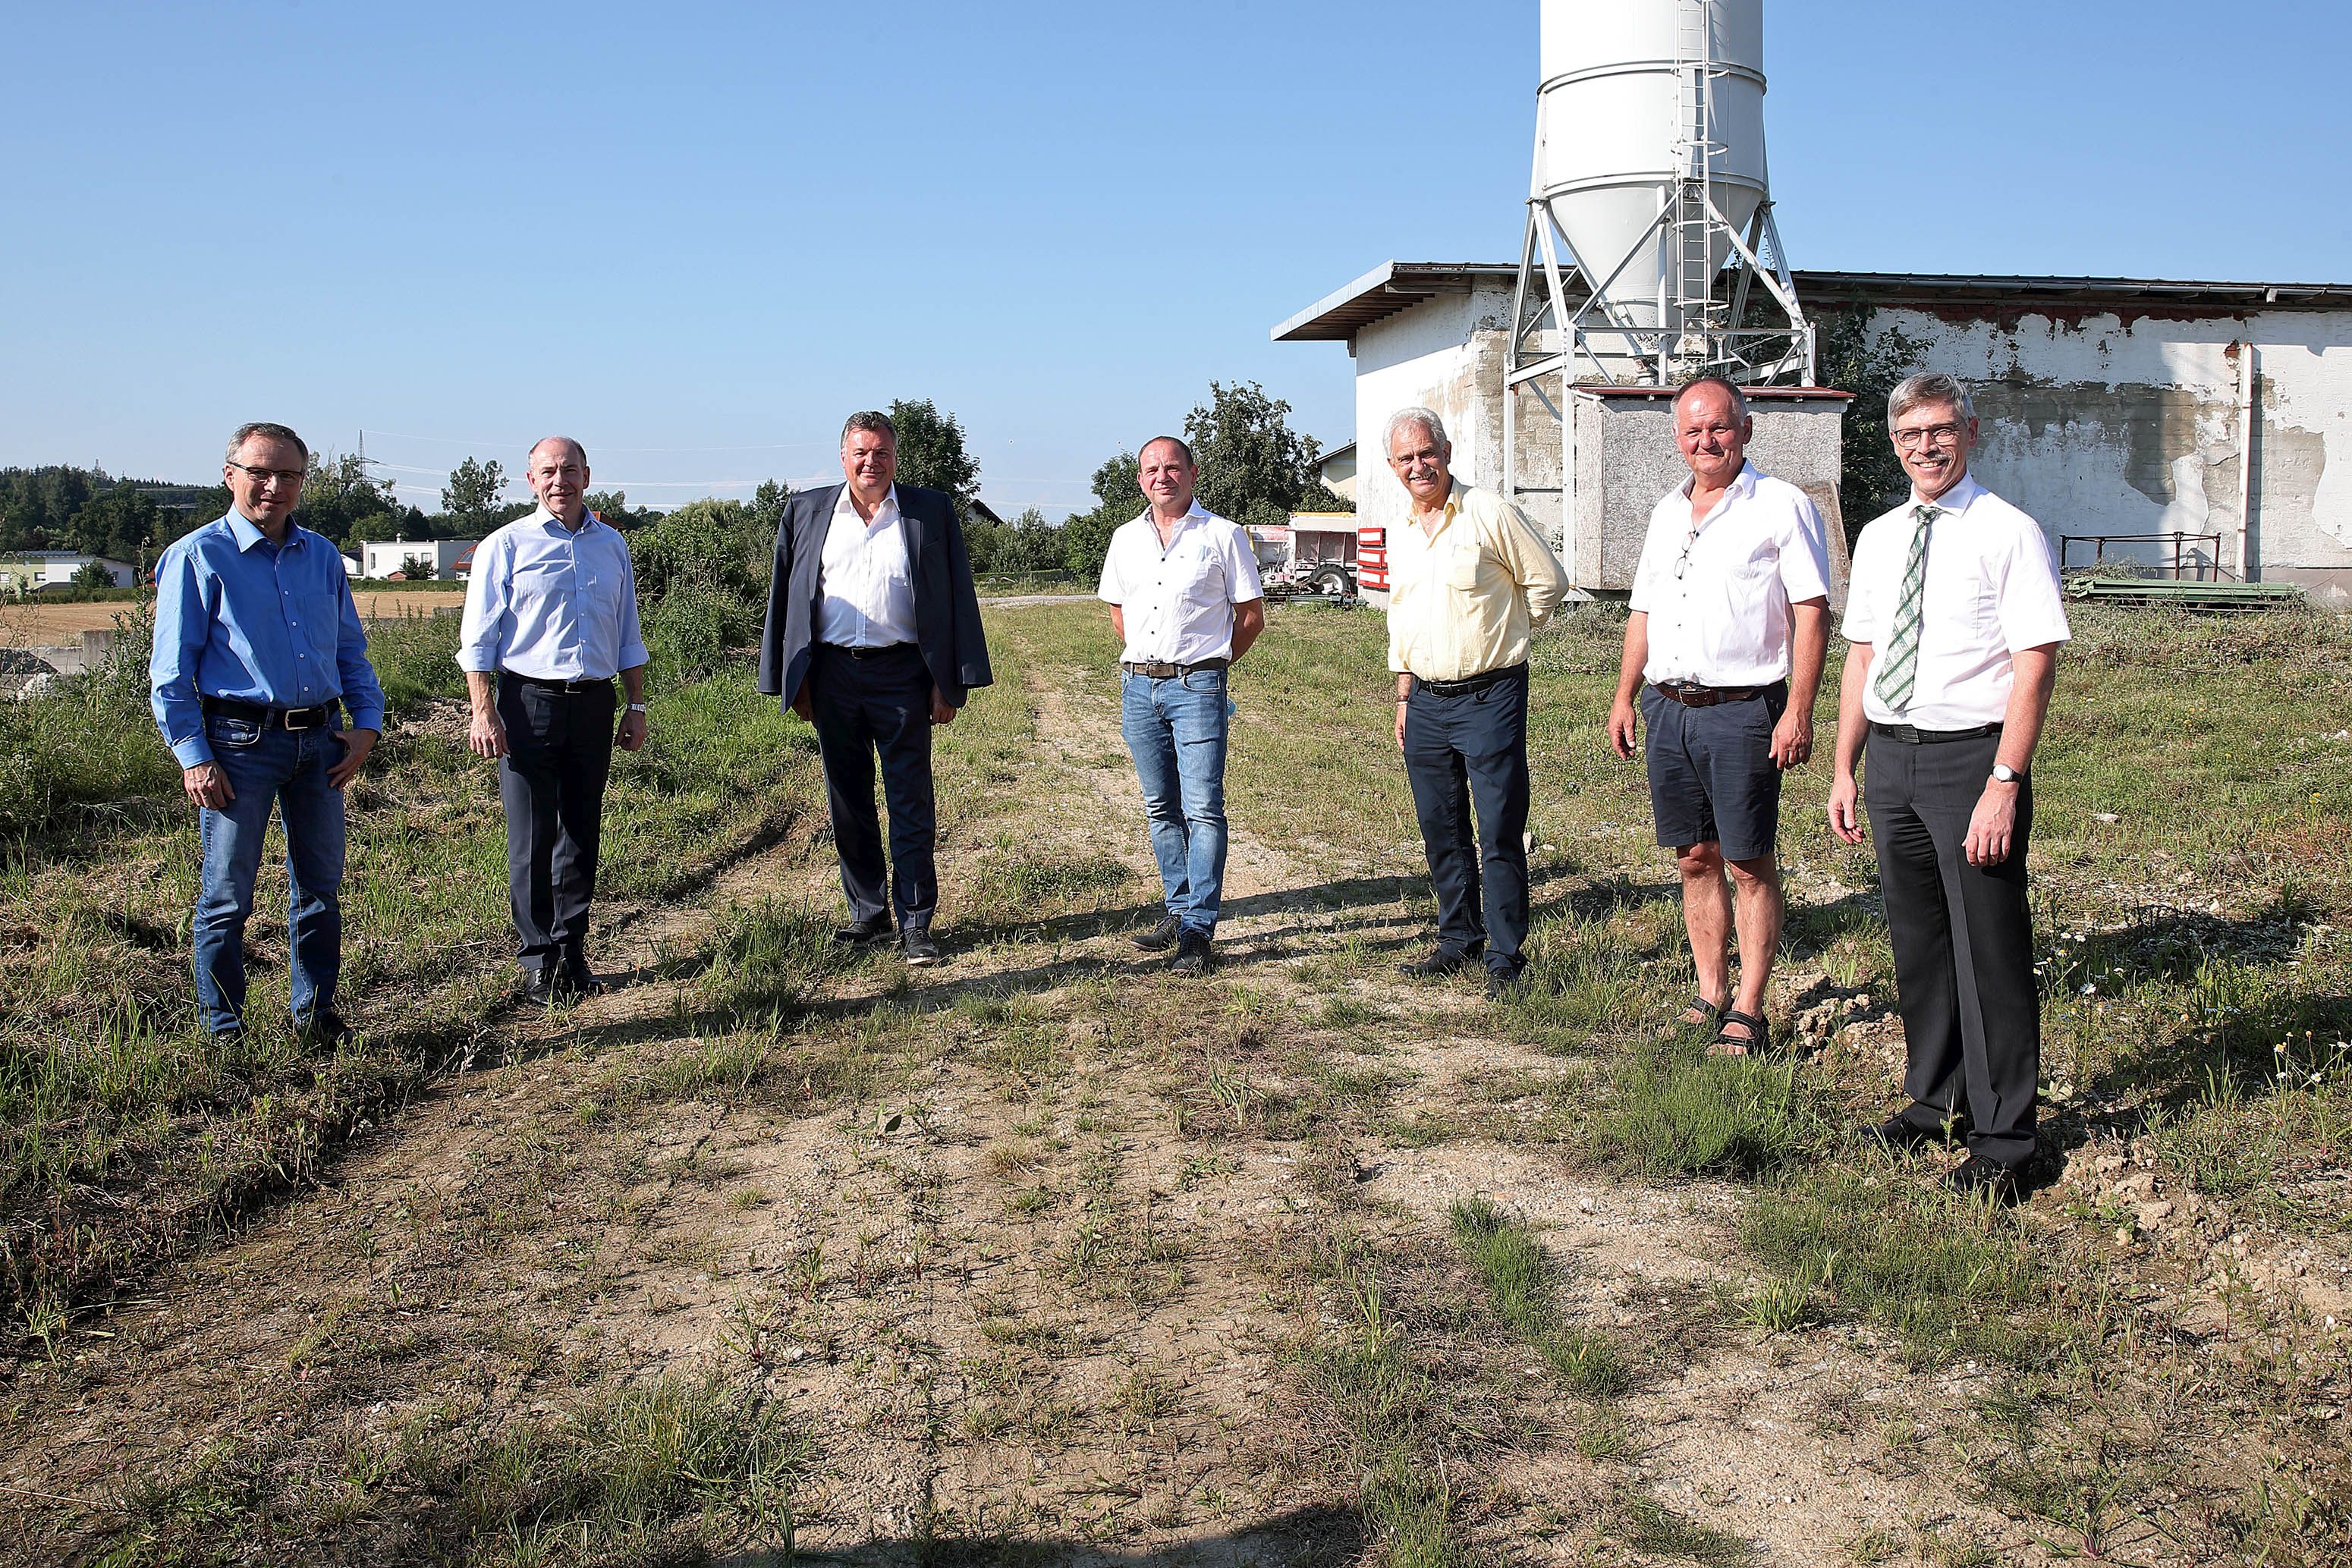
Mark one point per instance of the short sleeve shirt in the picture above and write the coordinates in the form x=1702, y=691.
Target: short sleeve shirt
x=1178, y=599
x=1991, y=589
x=1718, y=600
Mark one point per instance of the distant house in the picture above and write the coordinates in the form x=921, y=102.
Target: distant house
x=1338, y=470
x=447, y=560
x=30, y=571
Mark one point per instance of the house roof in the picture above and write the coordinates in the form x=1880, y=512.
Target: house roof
x=1396, y=286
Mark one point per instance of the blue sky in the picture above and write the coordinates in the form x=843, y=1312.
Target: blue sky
x=697, y=235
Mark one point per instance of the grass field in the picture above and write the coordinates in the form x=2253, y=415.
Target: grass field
x=1049, y=1256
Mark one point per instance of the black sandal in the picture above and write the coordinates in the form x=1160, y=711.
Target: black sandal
x=1698, y=1004
x=1726, y=1043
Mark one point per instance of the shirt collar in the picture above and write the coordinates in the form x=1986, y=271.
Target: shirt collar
x=546, y=518
x=247, y=533
x=1952, y=502
x=1196, y=513
x=846, y=502
x=1742, y=486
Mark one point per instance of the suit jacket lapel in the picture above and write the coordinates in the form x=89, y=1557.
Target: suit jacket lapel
x=910, y=529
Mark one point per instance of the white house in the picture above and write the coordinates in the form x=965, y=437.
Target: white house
x=447, y=561
x=29, y=571
x=2115, y=408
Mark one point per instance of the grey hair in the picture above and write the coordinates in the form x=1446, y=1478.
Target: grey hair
x=1424, y=417
x=1929, y=386
x=1738, y=398
x=878, y=424
x=565, y=439
x=267, y=432
x=1176, y=441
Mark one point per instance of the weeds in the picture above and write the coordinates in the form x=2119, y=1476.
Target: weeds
x=1522, y=1286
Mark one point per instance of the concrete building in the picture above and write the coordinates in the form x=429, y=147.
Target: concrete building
x=1338, y=469
x=2218, y=411
x=450, y=559
x=29, y=571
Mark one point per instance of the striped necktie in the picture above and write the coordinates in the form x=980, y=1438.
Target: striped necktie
x=1900, y=672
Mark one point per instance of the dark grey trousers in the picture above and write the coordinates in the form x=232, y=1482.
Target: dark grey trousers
x=559, y=751
x=1963, y=942
x=1461, y=748
x=879, y=705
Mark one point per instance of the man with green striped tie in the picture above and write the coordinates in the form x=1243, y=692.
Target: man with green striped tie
x=1955, y=615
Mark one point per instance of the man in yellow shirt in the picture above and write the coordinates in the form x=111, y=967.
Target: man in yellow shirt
x=1470, y=580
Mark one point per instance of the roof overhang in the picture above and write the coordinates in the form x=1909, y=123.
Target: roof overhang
x=1398, y=285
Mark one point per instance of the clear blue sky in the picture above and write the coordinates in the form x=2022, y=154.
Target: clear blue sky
x=697, y=235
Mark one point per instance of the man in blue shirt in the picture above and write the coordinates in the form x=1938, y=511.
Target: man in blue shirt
x=550, y=618
x=257, y=644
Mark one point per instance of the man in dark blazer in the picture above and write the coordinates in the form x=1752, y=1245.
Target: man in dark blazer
x=874, y=636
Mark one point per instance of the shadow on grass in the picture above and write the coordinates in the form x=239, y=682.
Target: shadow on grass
x=1313, y=1533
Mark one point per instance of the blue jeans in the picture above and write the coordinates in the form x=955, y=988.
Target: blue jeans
x=1175, y=730
x=266, y=766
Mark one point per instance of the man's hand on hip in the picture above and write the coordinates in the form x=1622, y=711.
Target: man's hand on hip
x=357, y=744
x=485, y=734
x=943, y=710
x=1624, y=728
x=207, y=786
x=1792, y=739
x=804, y=705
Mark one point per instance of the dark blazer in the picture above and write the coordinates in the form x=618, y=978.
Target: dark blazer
x=946, y=606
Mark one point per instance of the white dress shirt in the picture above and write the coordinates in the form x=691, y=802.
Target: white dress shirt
x=544, y=601
x=1719, y=603
x=1991, y=589
x=866, y=586
x=1177, y=599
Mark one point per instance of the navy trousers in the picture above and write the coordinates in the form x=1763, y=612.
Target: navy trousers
x=880, y=705
x=1963, y=942
x=559, y=752
x=1462, y=748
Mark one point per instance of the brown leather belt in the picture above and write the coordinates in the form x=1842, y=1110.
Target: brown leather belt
x=1173, y=672
x=1692, y=695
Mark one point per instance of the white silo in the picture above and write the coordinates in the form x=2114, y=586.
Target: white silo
x=1650, y=256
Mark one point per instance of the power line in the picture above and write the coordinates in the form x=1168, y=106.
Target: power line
x=478, y=445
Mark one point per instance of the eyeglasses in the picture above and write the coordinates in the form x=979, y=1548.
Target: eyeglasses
x=263, y=475
x=1682, y=562
x=1932, y=435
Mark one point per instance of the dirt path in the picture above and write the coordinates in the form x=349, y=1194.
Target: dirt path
x=1031, y=1274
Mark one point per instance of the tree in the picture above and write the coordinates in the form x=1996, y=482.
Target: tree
x=1086, y=536
x=1852, y=359
x=768, y=507
x=92, y=574
x=931, y=454
x=1253, y=468
x=417, y=568
x=414, y=527
x=343, y=501
x=612, y=509
x=472, y=499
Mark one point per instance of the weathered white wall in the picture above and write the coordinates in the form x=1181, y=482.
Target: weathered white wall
x=1446, y=354
x=2106, y=425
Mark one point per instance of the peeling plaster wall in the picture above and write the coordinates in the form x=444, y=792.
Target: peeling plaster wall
x=1444, y=353
x=2103, y=425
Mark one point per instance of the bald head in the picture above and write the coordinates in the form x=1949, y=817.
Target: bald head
x=559, y=477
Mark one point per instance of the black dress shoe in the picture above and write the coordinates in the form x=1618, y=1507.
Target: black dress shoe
x=1439, y=961
x=325, y=1026
x=920, y=951
x=860, y=931
x=1160, y=938
x=1502, y=982
x=1900, y=1132
x=579, y=977
x=543, y=988
x=1978, y=1177
x=1193, y=956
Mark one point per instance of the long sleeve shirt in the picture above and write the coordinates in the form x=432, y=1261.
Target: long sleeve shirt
x=240, y=618
x=1464, y=601
x=547, y=602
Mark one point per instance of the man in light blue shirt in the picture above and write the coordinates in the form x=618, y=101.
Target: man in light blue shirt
x=257, y=644
x=550, y=618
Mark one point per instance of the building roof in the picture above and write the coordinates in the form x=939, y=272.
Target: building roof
x=1396, y=286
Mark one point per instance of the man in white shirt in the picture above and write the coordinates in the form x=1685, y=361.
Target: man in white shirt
x=1724, y=644
x=1955, y=615
x=1181, y=583
x=550, y=618
x=874, y=636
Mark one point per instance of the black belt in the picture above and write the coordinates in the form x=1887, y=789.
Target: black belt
x=288, y=718
x=1477, y=683
x=846, y=652
x=1174, y=672
x=1910, y=736
x=568, y=688
x=1690, y=694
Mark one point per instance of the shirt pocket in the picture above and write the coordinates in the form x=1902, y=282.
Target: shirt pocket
x=1461, y=564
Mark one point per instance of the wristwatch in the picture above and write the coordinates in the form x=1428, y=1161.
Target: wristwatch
x=2006, y=774
x=637, y=707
